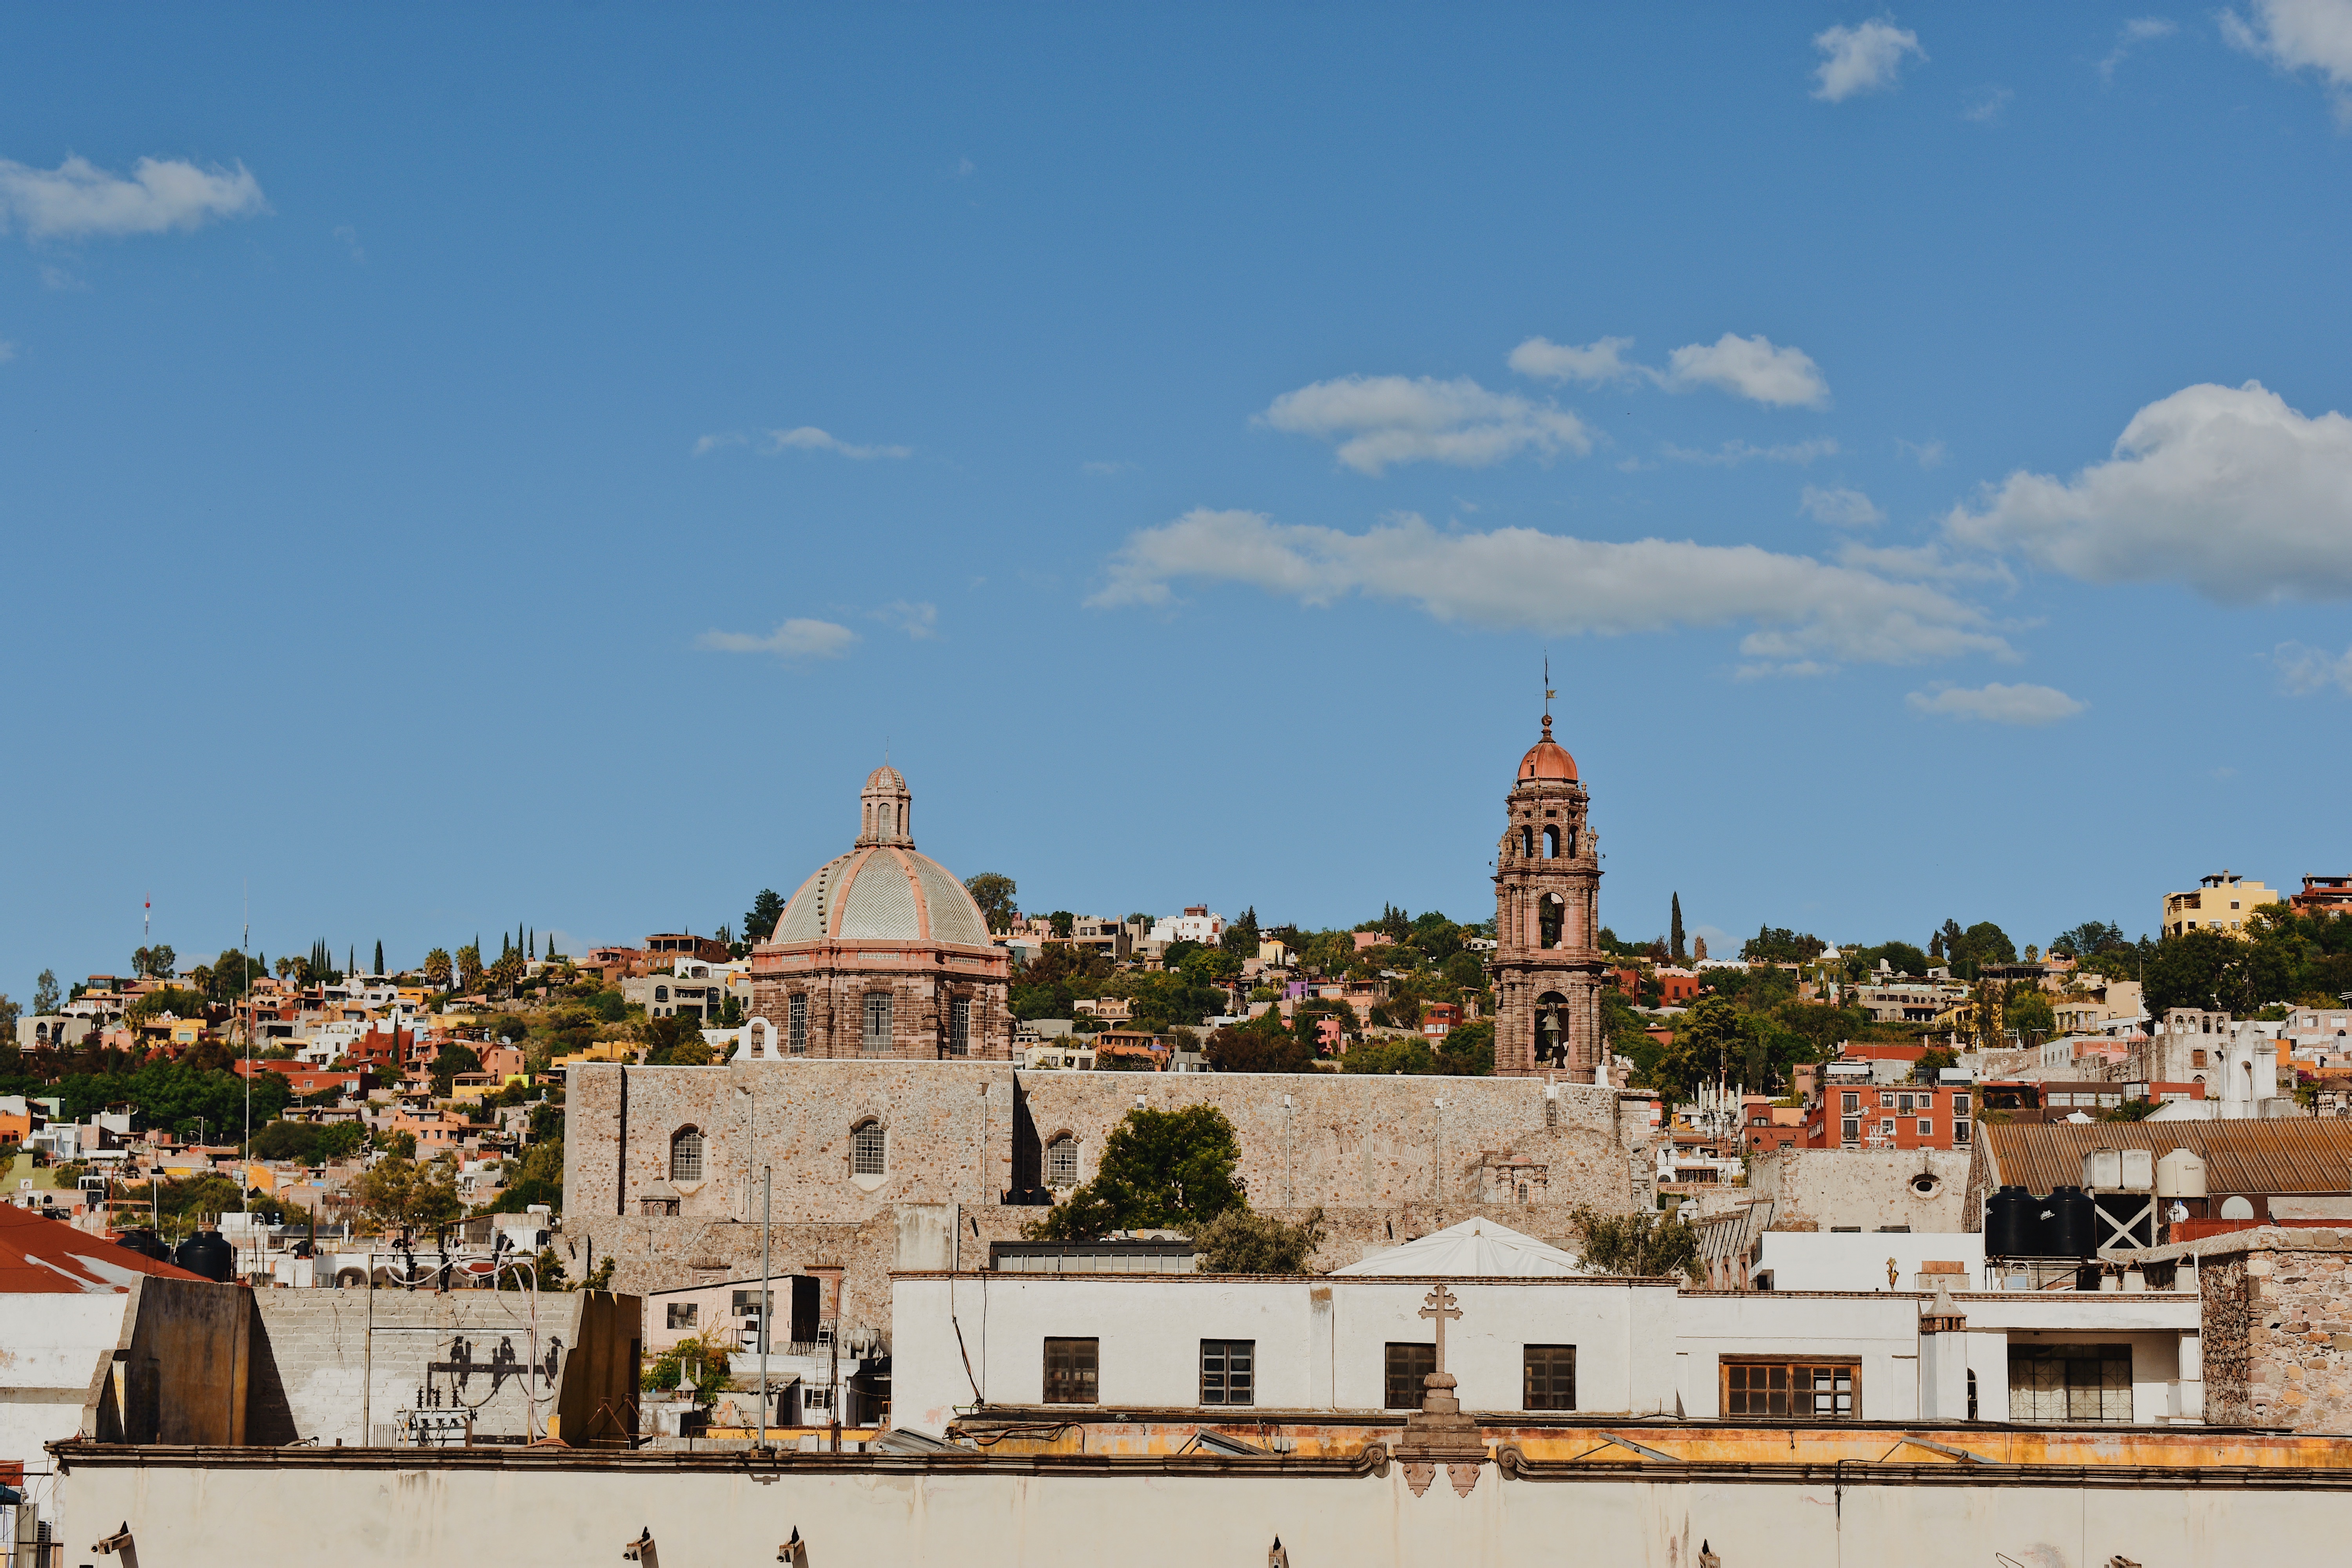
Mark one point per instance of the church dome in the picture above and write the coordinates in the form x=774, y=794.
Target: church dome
x=1546, y=759
x=882, y=891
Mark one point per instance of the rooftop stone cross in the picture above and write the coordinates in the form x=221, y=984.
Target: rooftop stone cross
x=1440, y=1307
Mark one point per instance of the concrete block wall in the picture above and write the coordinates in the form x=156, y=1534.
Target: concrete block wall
x=317, y=1341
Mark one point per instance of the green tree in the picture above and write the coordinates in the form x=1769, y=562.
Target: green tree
x=994, y=893
x=1240, y=938
x=1241, y=1242
x=9, y=1013
x=704, y=1353
x=676, y=1041
x=1988, y=943
x=1389, y=1057
x=536, y=1178
x=1646, y=1246
x=1779, y=945
x=46, y=999
x=1674, y=931
x=1468, y=1049
x=397, y=1192
x=1712, y=1040
x=2086, y=941
x=1246, y=1047
x=457, y=1056
x=437, y=969
x=469, y=965
x=760, y=920
x=232, y=972
x=1160, y=1169
x=379, y=956
x=157, y=962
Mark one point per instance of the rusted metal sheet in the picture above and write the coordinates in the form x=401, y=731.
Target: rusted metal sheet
x=2291, y=1155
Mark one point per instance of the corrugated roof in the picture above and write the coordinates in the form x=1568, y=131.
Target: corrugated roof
x=48, y=1257
x=2298, y=1154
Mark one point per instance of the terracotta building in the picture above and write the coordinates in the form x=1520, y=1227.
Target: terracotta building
x=1548, y=973
x=882, y=952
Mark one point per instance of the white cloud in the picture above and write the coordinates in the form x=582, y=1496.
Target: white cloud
x=918, y=620
x=1802, y=611
x=1920, y=563
x=1380, y=420
x=7, y=351
x=2138, y=30
x=1595, y=363
x=1731, y=453
x=2310, y=669
x=1998, y=704
x=1988, y=105
x=350, y=238
x=1840, y=507
x=1104, y=469
x=2224, y=489
x=1752, y=368
x=1862, y=59
x=809, y=438
x=794, y=639
x=1927, y=454
x=2300, y=35
x=78, y=197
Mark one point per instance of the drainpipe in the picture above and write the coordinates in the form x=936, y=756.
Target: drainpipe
x=621, y=1162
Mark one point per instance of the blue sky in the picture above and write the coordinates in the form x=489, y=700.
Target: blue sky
x=464, y=467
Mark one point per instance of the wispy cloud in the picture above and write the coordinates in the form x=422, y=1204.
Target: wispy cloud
x=2299, y=36
x=1802, y=612
x=1104, y=469
x=2310, y=669
x=794, y=639
x=918, y=620
x=1986, y=105
x=805, y=439
x=1998, y=704
x=1927, y=454
x=2138, y=31
x=79, y=199
x=1731, y=453
x=350, y=238
x=1840, y=508
x=1864, y=59
x=7, y=351
x=1754, y=368
x=2224, y=489
x=1380, y=421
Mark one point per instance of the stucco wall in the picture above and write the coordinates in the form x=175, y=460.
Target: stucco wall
x=1821, y=1189
x=1319, y=1342
x=552, y=1507
x=52, y=1350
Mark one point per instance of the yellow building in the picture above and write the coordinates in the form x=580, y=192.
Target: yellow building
x=2222, y=902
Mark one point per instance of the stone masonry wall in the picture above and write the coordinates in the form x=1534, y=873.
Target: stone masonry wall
x=1382, y=1159
x=2276, y=1308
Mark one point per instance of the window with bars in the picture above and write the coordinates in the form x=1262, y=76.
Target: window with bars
x=1851, y=1132
x=877, y=1023
x=960, y=1026
x=2069, y=1383
x=1802, y=1390
x=1551, y=1380
x=1072, y=1370
x=1406, y=1366
x=796, y=1025
x=1228, y=1372
x=869, y=1150
x=1062, y=1162
x=686, y=1155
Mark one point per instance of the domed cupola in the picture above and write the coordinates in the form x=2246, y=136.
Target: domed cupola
x=886, y=807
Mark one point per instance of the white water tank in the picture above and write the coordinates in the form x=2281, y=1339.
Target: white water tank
x=2181, y=1174
x=2118, y=1170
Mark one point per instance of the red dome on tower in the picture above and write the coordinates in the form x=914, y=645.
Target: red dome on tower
x=1546, y=759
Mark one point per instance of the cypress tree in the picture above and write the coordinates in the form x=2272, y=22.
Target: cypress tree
x=1677, y=930
x=379, y=955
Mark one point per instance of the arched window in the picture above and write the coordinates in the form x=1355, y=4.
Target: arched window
x=1551, y=914
x=1551, y=843
x=661, y=993
x=686, y=1155
x=1527, y=843
x=1062, y=1162
x=869, y=1150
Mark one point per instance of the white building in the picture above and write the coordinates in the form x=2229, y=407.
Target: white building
x=1195, y=924
x=1533, y=1336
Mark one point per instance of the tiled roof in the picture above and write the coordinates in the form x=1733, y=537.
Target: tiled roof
x=48, y=1257
x=2296, y=1154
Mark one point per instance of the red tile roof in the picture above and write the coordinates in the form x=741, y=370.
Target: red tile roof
x=48, y=1257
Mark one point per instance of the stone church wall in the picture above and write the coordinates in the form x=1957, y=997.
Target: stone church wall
x=1384, y=1161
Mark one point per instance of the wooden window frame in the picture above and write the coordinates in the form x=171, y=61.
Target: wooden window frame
x=1221, y=1377
x=1725, y=1366
x=1417, y=1354
x=1552, y=1397
x=1078, y=1378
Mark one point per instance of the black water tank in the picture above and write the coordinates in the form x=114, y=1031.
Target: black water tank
x=2072, y=1230
x=2011, y=1222
x=207, y=1253
x=145, y=1243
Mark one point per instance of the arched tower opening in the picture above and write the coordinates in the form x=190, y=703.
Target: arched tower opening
x=1547, y=973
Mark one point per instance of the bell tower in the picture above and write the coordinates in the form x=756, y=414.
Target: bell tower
x=1547, y=968
x=883, y=809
